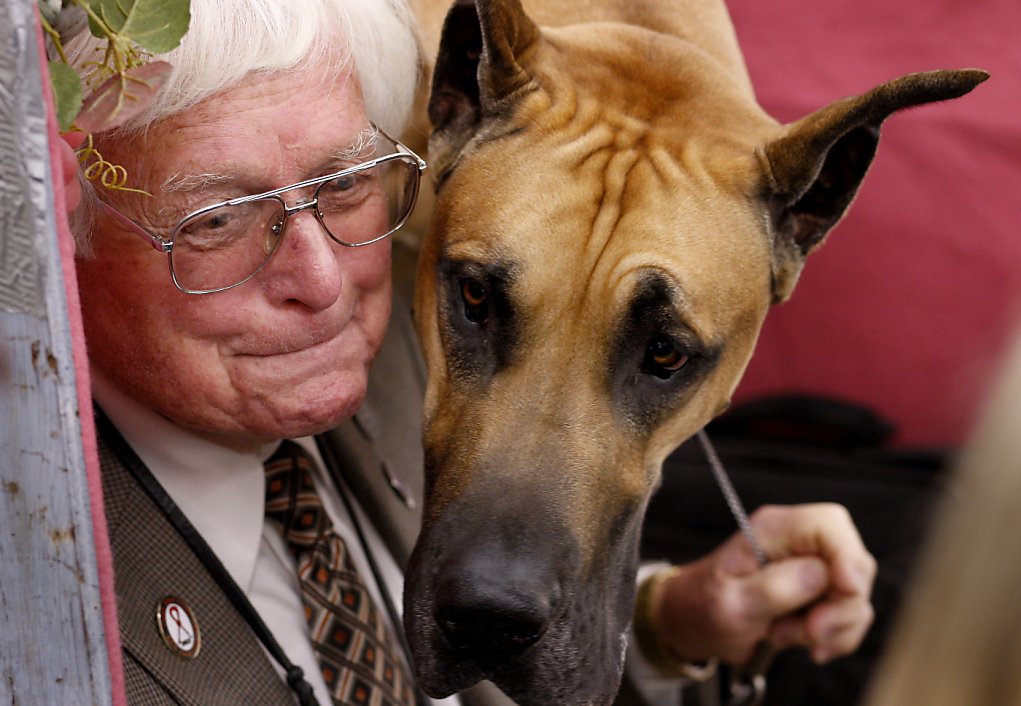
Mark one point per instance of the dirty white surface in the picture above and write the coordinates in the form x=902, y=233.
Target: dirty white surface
x=52, y=646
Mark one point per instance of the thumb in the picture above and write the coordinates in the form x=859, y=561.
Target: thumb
x=785, y=586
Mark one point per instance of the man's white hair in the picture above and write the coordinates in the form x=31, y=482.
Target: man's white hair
x=228, y=40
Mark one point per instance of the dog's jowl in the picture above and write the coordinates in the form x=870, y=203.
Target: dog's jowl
x=614, y=216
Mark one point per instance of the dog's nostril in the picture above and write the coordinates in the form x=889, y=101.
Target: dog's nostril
x=491, y=633
x=520, y=635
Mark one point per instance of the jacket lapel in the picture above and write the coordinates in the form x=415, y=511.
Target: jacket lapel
x=153, y=565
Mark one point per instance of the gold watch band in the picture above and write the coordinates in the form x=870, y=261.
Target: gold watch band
x=650, y=638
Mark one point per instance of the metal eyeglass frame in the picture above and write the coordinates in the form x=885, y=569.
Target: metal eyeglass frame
x=166, y=245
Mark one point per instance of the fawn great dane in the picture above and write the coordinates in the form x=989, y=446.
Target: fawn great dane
x=614, y=216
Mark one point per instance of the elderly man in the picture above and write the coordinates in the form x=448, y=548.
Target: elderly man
x=259, y=507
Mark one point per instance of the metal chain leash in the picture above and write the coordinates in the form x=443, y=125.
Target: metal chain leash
x=747, y=685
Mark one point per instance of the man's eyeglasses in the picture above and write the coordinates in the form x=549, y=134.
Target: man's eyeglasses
x=225, y=244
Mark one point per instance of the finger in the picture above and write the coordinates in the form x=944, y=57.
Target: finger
x=853, y=572
x=783, y=587
x=828, y=631
x=790, y=631
x=825, y=530
x=837, y=627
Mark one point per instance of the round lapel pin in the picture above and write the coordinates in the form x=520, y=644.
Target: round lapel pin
x=178, y=627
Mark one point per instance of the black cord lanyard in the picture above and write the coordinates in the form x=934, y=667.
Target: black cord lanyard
x=295, y=676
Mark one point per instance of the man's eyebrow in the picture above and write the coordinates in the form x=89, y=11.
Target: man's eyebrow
x=359, y=149
x=191, y=182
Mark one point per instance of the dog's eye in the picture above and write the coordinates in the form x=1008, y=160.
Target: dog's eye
x=475, y=295
x=663, y=357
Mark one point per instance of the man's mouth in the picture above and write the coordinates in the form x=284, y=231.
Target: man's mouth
x=279, y=342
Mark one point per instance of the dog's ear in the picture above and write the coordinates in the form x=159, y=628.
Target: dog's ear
x=478, y=72
x=813, y=170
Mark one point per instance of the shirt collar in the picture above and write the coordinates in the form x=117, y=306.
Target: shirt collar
x=220, y=490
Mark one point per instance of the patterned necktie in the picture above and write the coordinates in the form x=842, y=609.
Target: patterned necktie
x=356, y=651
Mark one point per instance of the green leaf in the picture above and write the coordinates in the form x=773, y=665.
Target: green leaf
x=67, y=93
x=156, y=25
x=94, y=27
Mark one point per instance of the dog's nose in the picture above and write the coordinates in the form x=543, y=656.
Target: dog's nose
x=489, y=617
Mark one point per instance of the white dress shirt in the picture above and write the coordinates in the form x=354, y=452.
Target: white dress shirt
x=222, y=493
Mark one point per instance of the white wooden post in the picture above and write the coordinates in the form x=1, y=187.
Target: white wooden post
x=52, y=643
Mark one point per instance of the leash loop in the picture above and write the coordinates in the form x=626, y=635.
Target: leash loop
x=748, y=684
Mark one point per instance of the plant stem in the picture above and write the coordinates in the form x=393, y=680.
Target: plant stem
x=55, y=36
x=112, y=39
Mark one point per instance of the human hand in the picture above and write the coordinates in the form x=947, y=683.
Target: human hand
x=69, y=142
x=814, y=592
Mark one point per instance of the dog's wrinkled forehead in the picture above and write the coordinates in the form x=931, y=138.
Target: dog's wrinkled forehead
x=600, y=213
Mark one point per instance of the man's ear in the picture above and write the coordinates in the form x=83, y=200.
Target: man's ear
x=813, y=170
x=478, y=72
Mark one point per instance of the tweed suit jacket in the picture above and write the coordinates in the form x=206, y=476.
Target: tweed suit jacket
x=377, y=454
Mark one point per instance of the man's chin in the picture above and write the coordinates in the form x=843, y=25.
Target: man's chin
x=290, y=415
x=313, y=409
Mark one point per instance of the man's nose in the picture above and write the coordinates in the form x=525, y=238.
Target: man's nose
x=307, y=266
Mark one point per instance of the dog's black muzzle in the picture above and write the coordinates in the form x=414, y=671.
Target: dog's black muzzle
x=498, y=591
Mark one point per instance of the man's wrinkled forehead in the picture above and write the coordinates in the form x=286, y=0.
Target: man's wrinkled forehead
x=359, y=149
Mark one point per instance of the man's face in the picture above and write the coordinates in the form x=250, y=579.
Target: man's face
x=285, y=354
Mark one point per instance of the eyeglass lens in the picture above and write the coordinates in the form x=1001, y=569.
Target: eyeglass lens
x=225, y=246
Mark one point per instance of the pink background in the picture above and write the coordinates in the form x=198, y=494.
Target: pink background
x=908, y=305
